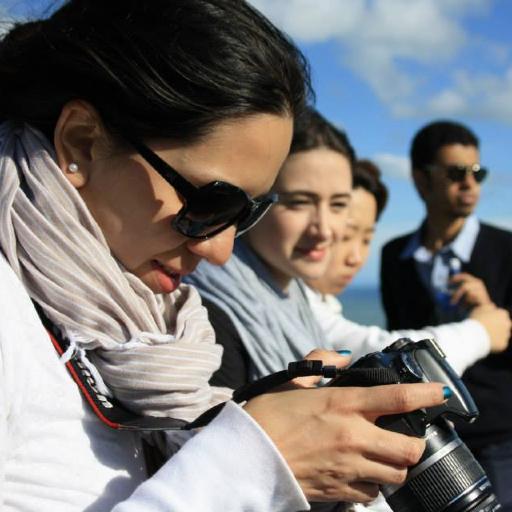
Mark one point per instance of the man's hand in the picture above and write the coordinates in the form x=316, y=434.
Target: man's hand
x=469, y=290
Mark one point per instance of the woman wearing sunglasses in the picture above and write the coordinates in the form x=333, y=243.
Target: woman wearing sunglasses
x=137, y=139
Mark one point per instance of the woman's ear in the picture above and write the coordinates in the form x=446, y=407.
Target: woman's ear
x=76, y=138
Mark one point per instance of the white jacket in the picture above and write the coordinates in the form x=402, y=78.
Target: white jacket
x=463, y=342
x=55, y=456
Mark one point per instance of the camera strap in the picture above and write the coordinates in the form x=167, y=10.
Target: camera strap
x=366, y=377
x=114, y=415
x=106, y=408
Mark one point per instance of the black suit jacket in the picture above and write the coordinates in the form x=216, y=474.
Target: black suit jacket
x=408, y=305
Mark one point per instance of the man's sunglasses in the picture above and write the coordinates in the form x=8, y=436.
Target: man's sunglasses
x=458, y=173
x=209, y=209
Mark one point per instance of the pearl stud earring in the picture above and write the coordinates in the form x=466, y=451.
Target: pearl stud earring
x=73, y=167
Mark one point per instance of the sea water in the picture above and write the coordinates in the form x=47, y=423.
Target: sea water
x=362, y=304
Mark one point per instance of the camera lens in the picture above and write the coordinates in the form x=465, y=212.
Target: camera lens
x=446, y=479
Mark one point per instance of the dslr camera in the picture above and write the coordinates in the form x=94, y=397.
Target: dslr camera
x=447, y=478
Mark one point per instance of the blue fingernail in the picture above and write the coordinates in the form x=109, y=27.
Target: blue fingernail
x=447, y=392
x=344, y=352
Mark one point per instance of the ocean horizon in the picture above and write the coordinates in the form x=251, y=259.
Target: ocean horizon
x=362, y=304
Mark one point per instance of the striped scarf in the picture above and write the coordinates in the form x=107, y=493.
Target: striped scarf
x=155, y=353
x=275, y=327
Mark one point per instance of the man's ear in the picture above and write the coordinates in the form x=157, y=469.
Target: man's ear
x=77, y=135
x=421, y=182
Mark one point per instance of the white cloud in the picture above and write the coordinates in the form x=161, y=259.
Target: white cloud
x=465, y=6
x=375, y=35
x=6, y=20
x=394, y=166
x=314, y=20
x=495, y=53
x=398, y=27
x=381, y=39
x=448, y=102
x=485, y=96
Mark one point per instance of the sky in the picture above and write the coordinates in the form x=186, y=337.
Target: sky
x=383, y=68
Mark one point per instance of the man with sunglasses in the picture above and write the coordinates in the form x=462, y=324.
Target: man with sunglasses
x=452, y=263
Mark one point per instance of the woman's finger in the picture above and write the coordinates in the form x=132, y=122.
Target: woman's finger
x=339, y=359
x=396, y=398
x=392, y=448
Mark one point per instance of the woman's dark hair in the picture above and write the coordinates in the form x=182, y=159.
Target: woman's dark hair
x=368, y=177
x=433, y=136
x=156, y=68
x=312, y=130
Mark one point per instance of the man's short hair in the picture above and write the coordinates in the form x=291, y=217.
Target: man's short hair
x=429, y=139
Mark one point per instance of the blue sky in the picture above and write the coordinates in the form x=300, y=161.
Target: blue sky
x=383, y=68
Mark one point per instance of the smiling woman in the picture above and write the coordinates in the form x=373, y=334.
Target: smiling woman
x=99, y=237
x=261, y=288
x=295, y=237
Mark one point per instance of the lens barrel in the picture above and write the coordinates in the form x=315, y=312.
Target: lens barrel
x=447, y=478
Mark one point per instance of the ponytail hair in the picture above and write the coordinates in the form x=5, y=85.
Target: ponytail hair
x=368, y=177
x=161, y=68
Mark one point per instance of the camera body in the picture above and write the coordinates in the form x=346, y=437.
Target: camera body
x=420, y=361
x=447, y=478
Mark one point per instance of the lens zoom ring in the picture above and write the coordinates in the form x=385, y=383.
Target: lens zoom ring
x=442, y=482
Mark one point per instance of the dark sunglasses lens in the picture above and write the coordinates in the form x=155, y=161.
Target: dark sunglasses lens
x=481, y=174
x=458, y=173
x=254, y=215
x=215, y=207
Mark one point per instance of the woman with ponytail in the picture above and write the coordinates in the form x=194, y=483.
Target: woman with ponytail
x=136, y=139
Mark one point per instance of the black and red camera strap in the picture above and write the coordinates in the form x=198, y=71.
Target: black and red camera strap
x=114, y=415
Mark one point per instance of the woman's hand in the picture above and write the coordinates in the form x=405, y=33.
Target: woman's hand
x=497, y=323
x=328, y=358
x=330, y=441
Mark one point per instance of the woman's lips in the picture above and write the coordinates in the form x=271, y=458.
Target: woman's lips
x=312, y=253
x=347, y=278
x=167, y=280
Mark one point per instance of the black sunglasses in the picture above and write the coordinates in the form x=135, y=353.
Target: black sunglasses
x=458, y=173
x=209, y=209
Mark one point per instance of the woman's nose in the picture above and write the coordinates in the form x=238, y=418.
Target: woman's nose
x=354, y=256
x=322, y=223
x=217, y=249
